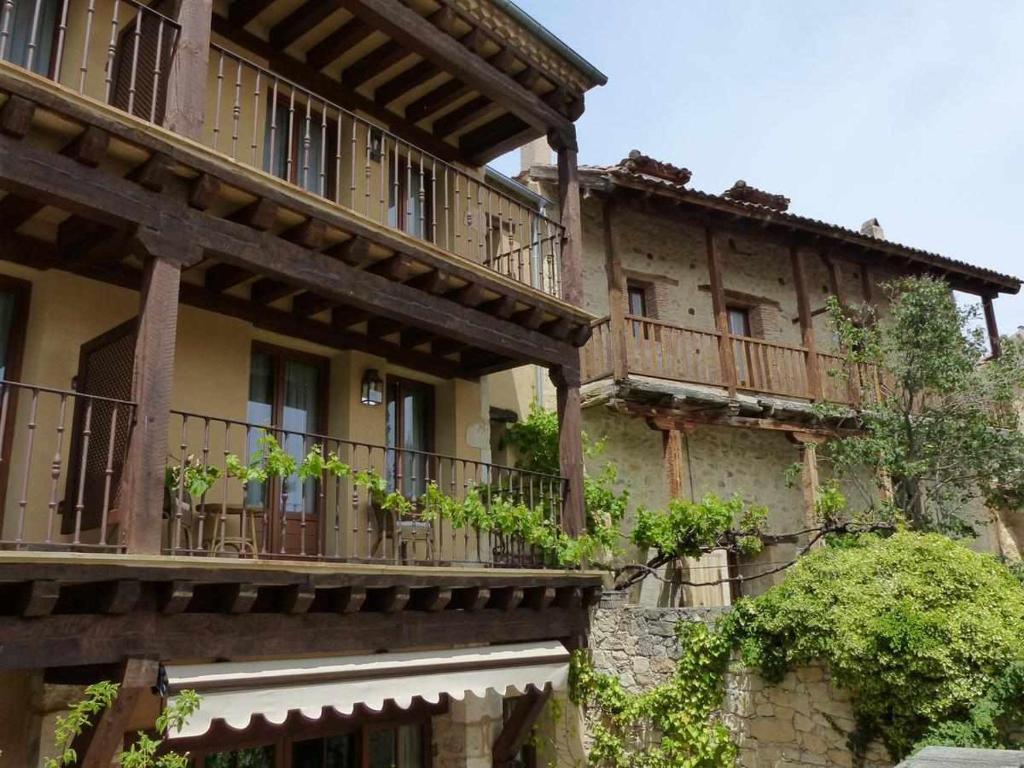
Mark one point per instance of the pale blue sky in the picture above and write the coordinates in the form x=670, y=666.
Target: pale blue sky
x=912, y=112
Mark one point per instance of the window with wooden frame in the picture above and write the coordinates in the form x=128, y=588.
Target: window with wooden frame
x=739, y=325
x=399, y=740
x=639, y=304
x=410, y=196
x=299, y=145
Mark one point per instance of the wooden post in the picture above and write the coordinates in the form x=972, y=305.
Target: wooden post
x=518, y=727
x=672, y=453
x=992, y=325
x=806, y=325
x=564, y=143
x=616, y=299
x=97, y=746
x=725, y=353
x=185, y=108
x=570, y=446
x=809, y=479
x=142, y=490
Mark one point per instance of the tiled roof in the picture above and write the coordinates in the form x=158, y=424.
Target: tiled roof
x=626, y=173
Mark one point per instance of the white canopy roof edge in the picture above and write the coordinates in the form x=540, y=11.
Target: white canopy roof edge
x=235, y=692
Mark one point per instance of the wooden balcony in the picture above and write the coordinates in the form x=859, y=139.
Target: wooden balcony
x=61, y=475
x=121, y=52
x=661, y=350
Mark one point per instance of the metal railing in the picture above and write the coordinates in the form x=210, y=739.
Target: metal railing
x=271, y=123
x=332, y=517
x=118, y=53
x=61, y=455
x=121, y=53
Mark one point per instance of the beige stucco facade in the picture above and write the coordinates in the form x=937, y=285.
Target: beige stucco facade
x=211, y=378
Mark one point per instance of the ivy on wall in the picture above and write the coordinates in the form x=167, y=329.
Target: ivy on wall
x=924, y=633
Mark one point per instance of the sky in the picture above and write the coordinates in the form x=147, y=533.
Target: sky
x=910, y=111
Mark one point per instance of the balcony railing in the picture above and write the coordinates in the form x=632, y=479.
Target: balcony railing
x=663, y=350
x=121, y=52
x=62, y=454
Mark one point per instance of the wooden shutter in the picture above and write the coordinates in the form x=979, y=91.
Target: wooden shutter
x=105, y=368
x=155, y=51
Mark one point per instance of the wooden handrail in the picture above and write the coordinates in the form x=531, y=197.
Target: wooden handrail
x=673, y=326
x=765, y=343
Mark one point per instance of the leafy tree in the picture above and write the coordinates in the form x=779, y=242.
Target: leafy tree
x=942, y=425
x=922, y=631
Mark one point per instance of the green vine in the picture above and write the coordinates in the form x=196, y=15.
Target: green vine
x=673, y=725
x=144, y=751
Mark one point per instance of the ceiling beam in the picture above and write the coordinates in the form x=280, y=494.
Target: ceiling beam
x=241, y=12
x=417, y=33
x=303, y=19
x=336, y=44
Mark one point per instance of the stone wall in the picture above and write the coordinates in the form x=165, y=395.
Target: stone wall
x=802, y=721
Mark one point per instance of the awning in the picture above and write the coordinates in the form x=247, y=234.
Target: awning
x=235, y=692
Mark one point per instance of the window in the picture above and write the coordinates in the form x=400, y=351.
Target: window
x=384, y=745
x=287, y=391
x=296, y=147
x=410, y=197
x=637, y=296
x=410, y=419
x=526, y=757
x=739, y=321
x=33, y=27
x=739, y=325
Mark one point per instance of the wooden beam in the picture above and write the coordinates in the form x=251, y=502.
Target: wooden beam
x=260, y=214
x=142, y=485
x=203, y=192
x=77, y=639
x=803, y=303
x=992, y=325
x=16, y=116
x=564, y=143
x=312, y=234
x=570, y=445
x=89, y=147
x=267, y=290
x=153, y=174
x=373, y=63
x=98, y=745
x=241, y=12
x=307, y=304
x=185, y=100
x=346, y=317
x=439, y=98
x=416, y=33
x=726, y=359
x=459, y=118
x=616, y=278
x=16, y=210
x=303, y=19
x=38, y=597
x=336, y=44
x=221, y=277
x=518, y=727
x=412, y=78
x=492, y=133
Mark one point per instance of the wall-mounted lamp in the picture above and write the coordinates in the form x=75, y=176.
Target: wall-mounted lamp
x=376, y=145
x=372, y=392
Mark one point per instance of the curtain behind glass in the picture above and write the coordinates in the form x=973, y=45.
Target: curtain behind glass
x=301, y=388
x=275, y=153
x=21, y=32
x=260, y=411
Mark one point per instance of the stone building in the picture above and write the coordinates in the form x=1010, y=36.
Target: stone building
x=714, y=343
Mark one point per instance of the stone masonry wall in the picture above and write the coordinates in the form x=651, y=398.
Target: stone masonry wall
x=802, y=721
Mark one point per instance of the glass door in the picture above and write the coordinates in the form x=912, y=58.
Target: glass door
x=739, y=325
x=410, y=415
x=286, y=395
